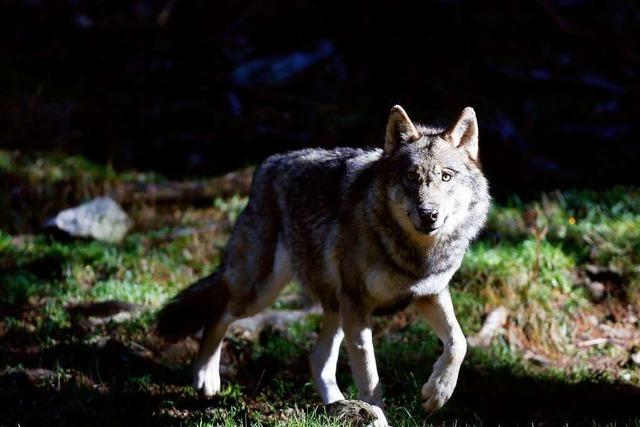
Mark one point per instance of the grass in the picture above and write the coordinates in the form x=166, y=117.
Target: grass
x=536, y=259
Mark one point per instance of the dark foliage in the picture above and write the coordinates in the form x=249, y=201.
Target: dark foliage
x=201, y=87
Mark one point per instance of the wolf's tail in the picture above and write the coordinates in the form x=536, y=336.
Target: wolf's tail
x=202, y=302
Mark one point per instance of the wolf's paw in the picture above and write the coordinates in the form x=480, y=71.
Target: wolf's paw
x=206, y=382
x=438, y=390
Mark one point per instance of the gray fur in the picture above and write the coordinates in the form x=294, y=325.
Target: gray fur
x=349, y=225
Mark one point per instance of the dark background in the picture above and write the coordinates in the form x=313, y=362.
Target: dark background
x=198, y=88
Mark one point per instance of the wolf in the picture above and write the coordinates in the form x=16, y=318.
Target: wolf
x=365, y=231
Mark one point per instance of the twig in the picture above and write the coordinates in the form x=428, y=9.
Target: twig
x=592, y=342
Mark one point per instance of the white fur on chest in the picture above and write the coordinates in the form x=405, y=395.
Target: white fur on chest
x=385, y=286
x=432, y=285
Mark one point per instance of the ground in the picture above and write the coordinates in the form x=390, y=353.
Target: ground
x=76, y=341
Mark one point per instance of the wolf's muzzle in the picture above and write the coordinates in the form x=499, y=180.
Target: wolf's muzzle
x=428, y=217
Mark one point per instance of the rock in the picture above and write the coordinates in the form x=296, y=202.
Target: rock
x=593, y=320
x=602, y=281
x=274, y=71
x=40, y=375
x=494, y=322
x=625, y=376
x=101, y=218
x=354, y=413
x=597, y=290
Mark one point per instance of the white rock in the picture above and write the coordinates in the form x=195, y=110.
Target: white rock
x=101, y=218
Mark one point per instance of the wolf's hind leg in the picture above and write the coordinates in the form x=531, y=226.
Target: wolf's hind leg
x=324, y=357
x=247, y=297
x=206, y=375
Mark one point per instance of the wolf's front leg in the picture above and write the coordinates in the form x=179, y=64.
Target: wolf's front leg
x=359, y=341
x=438, y=310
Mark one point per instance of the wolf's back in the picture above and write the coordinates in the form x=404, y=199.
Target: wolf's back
x=297, y=194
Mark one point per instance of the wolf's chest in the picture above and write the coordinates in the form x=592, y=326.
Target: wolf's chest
x=387, y=286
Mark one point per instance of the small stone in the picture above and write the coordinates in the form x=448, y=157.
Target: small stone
x=597, y=290
x=593, y=320
x=625, y=376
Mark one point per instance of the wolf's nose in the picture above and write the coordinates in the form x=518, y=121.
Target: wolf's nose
x=429, y=216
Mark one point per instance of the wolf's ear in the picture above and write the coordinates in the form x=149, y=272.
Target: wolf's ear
x=400, y=130
x=464, y=132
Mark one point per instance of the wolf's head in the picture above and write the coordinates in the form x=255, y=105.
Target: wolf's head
x=433, y=179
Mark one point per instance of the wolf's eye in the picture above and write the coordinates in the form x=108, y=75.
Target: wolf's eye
x=446, y=176
x=411, y=176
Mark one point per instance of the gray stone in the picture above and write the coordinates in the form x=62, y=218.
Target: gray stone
x=101, y=218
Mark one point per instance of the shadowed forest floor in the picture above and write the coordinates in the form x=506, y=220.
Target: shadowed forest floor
x=76, y=315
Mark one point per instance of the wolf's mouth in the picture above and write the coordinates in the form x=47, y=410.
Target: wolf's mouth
x=428, y=230
x=431, y=230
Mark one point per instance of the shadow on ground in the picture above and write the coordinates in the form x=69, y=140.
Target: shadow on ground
x=113, y=383
x=497, y=399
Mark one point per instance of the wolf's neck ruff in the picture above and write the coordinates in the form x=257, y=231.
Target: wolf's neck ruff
x=409, y=251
